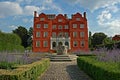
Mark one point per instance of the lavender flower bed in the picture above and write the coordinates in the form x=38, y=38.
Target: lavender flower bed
x=107, y=55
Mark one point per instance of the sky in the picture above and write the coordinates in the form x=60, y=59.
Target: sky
x=102, y=15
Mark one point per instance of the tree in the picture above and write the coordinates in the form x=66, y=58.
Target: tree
x=23, y=34
x=30, y=33
x=98, y=38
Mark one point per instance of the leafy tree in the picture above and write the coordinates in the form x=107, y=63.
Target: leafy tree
x=98, y=38
x=23, y=34
x=107, y=40
x=30, y=32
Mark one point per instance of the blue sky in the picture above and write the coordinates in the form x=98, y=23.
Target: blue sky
x=102, y=15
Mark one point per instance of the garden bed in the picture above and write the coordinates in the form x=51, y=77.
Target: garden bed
x=25, y=72
x=99, y=70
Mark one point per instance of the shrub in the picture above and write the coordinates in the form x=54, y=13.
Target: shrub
x=6, y=65
x=25, y=72
x=99, y=70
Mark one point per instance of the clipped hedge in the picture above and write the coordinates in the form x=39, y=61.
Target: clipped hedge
x=99, y=70
x=25, y=72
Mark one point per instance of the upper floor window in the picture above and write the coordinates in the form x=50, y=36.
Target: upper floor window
x=82, y=34
x=74, y=25
x=81, y=25
x=75, y=43
x=59, y=20
x=54, y=34
x=77, y=19
x=37, y=34
x=38, y=25
x=74, y=34
x=45, y=34
x=45, y=25
x=54, y=27
x=45, y=43
x=60, y=27
x=66, y=27
x=82, y=43
x=37, y=43
x=42, y=19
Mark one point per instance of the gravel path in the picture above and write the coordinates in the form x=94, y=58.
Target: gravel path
x=64, y=71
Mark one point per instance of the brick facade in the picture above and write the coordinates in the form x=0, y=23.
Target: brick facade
x=50, y=30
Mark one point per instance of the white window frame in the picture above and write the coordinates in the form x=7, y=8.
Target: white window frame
x=75, y=43
x=45, y=26
x=45, y=43
x=82, y=43
x=37, y=34
x=60, y=27
x=82, y=34
x=74, y=25
x=37, y=43
x=42, y=19
x=54, y=34
x=75, y=34
x=38, y=25
x=45, y=34
x=66, y=27
x=54, y=27
x=82, y=25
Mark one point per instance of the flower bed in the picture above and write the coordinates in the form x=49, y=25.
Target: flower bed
x=99, y=70
x=25, y=72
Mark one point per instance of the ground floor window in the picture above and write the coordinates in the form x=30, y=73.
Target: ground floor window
x=82, y=43
x=37, y=43
x=45, y=43
x=75, y=43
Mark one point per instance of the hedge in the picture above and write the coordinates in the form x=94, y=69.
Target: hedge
x=25, y=72
x=99, y=70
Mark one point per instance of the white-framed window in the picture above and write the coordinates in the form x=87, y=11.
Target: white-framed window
x=74, y=25
x=74, y=34
x=45, y=25
x=59, y=20
x=54, y=34
x=60, y=27
x=66, y=27
x=37, y=34
x=37, y=43
x=45, y=43
x=60, y=34
x=54, y=27
x=82, y=34
x=75, y=43
x=66, y=34
x=38, y=25
x=82, y=43
x=42, y=19
x=77, y=19
x=82, y=25
x=45, y=34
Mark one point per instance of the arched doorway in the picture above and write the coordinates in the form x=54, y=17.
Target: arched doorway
x=60, y=43
x=54, y=45
x=67, y=44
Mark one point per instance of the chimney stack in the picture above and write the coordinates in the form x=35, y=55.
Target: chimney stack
x=84, y=14
x=35, y=13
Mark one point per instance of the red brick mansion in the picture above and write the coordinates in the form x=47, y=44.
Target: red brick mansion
x=50, y=30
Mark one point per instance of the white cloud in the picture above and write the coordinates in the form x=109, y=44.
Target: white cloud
x=12, y=27
x=9, y=9
x=93, y=5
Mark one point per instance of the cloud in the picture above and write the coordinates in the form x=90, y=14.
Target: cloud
x=93, y=5
x=9, y=9
x=12, y=27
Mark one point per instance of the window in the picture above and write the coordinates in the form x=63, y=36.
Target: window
x=38, y=25
x=42, y=19
x=74, y=34
x=82, y=34
x=37, y=43
x=60, y=27
x=66, y=27
x=75, y=43
x=81, y=25
x=60, y=34
x=54, y=45
x=45, y=25
x=54, y=34
x=59, y=20
x=77, y=19
x=45, y=43
x=37, y=34
x=74, y=25
x=54, y=27
x=82, y=43
x=66, y=34
x=45, y=34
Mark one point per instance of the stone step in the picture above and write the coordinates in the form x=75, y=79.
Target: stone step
x=60, y=58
